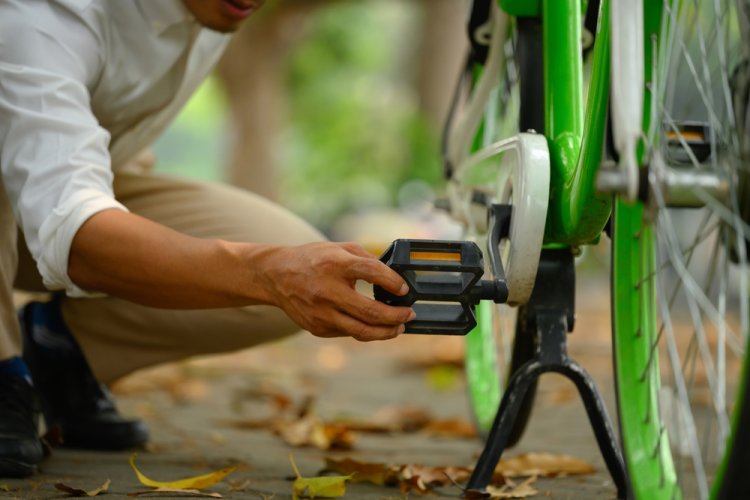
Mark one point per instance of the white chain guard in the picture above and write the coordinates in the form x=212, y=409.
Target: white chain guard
x=520, y=169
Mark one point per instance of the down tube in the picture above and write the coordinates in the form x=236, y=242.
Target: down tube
x=577, y=214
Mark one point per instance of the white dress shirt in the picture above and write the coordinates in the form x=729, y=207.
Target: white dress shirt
x=84, y=86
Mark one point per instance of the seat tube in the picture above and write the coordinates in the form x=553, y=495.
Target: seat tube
x=563, y=100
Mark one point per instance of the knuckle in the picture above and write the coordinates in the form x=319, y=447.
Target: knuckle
x=372, y=312
x=362, y=333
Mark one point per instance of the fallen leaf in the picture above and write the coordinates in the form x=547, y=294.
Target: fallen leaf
x=317, y=487
x=175, y=492
x=197, y=482
x=403, y=419
x=409, y=477
x=436, y=476
x=279, y=400
x=77, y=492
x=452, y=427
x=543, y=465
x=512, y=490
x=309, y=430
x=363, y=472
x=366, y=427
x=443, y=377
x=412, y=483
x=4, y=487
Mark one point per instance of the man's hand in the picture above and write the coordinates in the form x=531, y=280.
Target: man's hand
x=315, y=285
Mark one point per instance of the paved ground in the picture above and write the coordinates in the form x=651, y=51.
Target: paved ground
x=187, y=406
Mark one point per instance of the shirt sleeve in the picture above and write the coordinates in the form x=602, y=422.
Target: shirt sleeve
x=54, y=156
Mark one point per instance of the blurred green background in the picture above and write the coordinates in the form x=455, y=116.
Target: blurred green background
x=330, y=107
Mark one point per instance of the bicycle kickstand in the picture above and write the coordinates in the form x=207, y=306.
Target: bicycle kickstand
x=444, y=288
x=551, y=309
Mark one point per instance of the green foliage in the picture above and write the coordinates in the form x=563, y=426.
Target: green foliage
x=355, y=134
x=193, y=146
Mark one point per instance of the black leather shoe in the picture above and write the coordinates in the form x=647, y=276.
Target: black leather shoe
x=20, y=447
x=71, y=398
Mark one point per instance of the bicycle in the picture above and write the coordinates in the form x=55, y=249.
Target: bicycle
x=656, y=159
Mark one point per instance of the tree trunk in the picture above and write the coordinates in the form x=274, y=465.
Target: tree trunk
x=442, y=50
x=252, y=73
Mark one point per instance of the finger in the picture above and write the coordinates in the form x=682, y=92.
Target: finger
x=375, y=272
x=364, y=332
x=373, y=312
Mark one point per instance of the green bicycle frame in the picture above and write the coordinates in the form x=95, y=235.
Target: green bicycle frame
x=577, y=214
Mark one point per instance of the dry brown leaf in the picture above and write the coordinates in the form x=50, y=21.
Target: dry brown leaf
x=363, y=472
x=512, y=490
x=409, y=477
x=310, y=431
x=410, y=419
x=413, y=484
x=173, y=492
x=280, y=401
x=436, y=476
x=77, y=492
x=452, y=427
x=544, y=465
x=403, y=419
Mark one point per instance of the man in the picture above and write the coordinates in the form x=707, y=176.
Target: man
x=147, y=269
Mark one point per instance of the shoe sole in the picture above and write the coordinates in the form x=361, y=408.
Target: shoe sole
x=14, y=468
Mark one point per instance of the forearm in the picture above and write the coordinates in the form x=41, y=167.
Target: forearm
x=127, y=256
x=130, y=257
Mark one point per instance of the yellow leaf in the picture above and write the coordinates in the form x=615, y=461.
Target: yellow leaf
x=318, y=487
x=196, y=483
x=175, y=493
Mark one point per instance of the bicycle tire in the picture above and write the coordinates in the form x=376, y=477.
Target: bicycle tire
x=679, y=275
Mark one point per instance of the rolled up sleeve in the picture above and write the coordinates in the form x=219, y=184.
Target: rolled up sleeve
x=54, y=156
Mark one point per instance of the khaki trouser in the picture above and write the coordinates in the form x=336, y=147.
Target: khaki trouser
x=119, y=337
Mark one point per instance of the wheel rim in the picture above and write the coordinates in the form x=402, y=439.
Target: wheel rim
x=680, y=304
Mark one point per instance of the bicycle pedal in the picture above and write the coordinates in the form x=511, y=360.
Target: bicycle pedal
x=444, y=284
x=697, y=137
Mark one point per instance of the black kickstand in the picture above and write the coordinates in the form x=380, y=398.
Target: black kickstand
x=552, y=308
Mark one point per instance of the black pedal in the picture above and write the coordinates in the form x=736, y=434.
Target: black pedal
x=697, y=137
x=444, y=284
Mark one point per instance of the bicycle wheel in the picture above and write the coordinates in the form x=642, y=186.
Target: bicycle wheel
x=501, y=343
x=680, y=275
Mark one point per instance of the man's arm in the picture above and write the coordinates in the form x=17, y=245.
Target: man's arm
x=127, y=256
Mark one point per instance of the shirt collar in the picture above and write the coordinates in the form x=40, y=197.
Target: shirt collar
x=161, y=14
